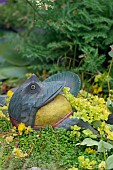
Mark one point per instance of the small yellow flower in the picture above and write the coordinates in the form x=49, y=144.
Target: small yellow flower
x=90, y=151
x=18, y=153
x=102, y=165
x=10, y=93
x=21, y=127
x=9, y=139
x=99, y=89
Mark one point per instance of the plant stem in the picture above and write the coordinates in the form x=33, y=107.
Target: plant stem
x=33, y=7
x=74, y=56
x=109, y=74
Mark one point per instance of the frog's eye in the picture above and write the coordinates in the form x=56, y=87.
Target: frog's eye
x=33, y=87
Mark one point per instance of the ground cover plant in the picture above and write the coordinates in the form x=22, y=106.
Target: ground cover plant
x=50, y=148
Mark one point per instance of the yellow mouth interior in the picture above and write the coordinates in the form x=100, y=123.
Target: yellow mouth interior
x=53, y=111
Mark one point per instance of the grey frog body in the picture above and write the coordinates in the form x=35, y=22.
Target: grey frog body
x=30, y=96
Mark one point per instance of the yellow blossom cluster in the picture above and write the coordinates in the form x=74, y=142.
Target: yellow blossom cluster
x=22, y=128
x=86, y=163
x=99, y=80
x=10, y=93
x=96, y=89
x=9, y=96
x=90, y=151
x=89, y=108
x=18, y=153
x=105, y=130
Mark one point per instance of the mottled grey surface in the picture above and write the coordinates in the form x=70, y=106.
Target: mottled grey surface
x=110, y=119
x=30, y=96
x=71, y=79
x=67, y=123
x=2, y=99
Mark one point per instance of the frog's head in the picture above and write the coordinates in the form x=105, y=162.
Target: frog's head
x=30, y=96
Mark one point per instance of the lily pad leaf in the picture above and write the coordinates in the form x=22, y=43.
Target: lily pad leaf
x=89, y=142
x=12, y=72
x=103, y=146
x=9, y=50
x=109, y=162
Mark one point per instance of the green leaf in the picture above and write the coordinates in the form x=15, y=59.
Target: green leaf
x=11, y=72
x=9, y=50
x=109, y=162
x=97, y=123
x=2, y=77
x=111, y=53
x=103, y=146
x=89, y=142
x=89, y=133
x=110, y=105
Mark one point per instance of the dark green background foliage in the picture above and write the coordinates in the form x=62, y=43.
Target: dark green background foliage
x=70, y=35
x=75, y=28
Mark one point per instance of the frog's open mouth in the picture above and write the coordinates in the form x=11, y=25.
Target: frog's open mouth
x=16, y=123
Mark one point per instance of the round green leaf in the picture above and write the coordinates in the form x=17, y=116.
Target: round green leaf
x=12, y=72
x=89, y=142
x=109, y=162
x=111, y=53
x=9, y=50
